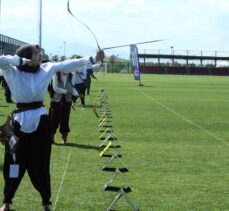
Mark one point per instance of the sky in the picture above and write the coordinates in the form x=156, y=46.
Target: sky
x=193, y=25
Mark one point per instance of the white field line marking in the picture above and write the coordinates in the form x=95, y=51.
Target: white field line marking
x=184, y=118
x=62, y=180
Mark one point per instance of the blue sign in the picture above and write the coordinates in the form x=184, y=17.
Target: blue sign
x=135, y=61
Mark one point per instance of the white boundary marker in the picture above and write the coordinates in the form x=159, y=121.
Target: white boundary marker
x=184, y=118
x=62, y=181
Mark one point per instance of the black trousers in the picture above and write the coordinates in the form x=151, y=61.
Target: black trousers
x=59, y=114
x=32, y=154
x=7, y=94
x=81, y=88
x=88, y=87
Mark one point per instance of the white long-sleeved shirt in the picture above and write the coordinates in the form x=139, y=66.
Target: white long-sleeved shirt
x=31, y=87
x=62, y=87
x=81, y=74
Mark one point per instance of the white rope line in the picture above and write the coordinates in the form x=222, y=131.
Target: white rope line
x=62, y=181
x=184, y=118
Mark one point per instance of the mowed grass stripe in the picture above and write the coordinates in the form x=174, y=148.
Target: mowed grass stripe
x=184, y=118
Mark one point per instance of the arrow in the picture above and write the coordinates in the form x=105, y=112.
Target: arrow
x=140, y=43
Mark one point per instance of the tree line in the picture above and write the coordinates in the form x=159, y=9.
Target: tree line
x=115, y=64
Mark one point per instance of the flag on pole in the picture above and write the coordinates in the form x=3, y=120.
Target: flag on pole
x=135, y=61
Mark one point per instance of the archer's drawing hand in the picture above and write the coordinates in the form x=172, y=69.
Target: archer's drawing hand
x=100, y=55
x=68, y=93
x=29, y=62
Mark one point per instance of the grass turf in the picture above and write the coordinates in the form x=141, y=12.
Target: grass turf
x=174, y=136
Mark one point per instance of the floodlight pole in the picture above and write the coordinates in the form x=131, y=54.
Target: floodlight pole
x=64, y=47
x=40, y=23
x=0, y=9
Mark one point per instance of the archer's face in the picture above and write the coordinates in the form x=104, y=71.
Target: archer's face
x=36, y=57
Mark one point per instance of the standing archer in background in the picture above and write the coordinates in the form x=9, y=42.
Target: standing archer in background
x=61, y=92
x=88, y=80
x=78, y=80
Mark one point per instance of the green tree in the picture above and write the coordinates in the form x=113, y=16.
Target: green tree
x=55, y=58
x=75, y=56
x=112, y=60
x=62, y=58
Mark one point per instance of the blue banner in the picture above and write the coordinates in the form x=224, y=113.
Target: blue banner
x=135, y=61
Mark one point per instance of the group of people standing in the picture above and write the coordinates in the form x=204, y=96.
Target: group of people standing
x=28, y=80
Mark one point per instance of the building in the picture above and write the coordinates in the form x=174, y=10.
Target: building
x=8, y=45
x=184, y=63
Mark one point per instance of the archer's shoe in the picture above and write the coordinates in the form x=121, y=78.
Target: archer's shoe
x=64, y=138
x=5, y=207
x=63, y=142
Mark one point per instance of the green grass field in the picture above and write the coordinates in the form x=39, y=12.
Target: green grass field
x=174, y=139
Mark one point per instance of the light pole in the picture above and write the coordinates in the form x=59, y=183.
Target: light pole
x=0, y=9
x=172, y=52
x=40, y=23
x=60, y=51
x=64, y=47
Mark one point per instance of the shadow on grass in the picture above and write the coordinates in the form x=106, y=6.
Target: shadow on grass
x=92, y=106
x=81, y=146
x=4, y=106
x=149, y=86
x=1, y=167
x=87, y=106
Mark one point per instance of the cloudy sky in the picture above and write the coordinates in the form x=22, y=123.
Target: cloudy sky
x=185, y=24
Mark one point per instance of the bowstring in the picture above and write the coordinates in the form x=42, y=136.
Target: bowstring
x=97, y=43
x=70, y=12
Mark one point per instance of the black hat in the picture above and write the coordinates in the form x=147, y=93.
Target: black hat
x=26, y=51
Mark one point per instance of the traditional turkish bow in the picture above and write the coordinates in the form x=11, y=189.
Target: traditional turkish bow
x=70, y=12
x=96, y=40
